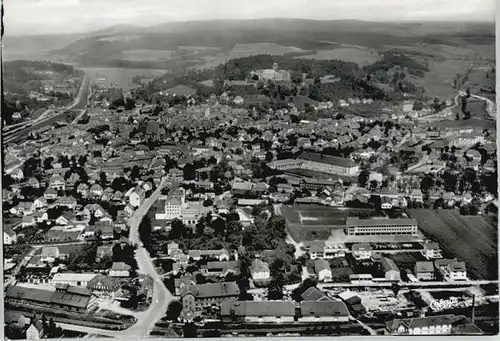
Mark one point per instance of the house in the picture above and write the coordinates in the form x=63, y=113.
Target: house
x=323, y=311
x=260, y=270
x=257, y=311
x=137, y=197
x=362, y=251
x=33, y=182
x=40, y=203
x=221, y=268
x=120, y=269
x=195, y=297
x=96, y=190
x=50, y=194
x=82, y=189
x=40, y=217
x=67, y=201
x=323, y=271
x=391, y=270
x=17, y=174
x=416, y=195
x=57, y=182
x=103, y=251
x=457, y=271
x=429, y=325
x=104, y=286
x=23, y=208
x=431, y=251
x=28, y=220
x=221, y=255
x=9, y=237
x=65, y=218
x=51, y=253
x=424, y=271
x=35, y=330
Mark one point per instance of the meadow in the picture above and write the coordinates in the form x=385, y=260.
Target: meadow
x=472, y=239
x=359, y=56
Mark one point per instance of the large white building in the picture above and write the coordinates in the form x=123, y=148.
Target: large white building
x=76, y=279
x=319, y=163
x=381, y=227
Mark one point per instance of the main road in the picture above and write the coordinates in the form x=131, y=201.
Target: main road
x=161, y=296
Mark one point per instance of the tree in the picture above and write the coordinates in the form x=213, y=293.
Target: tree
x=173, y=311
x=208, y=203
x=177, y=229
x=103, y=179
x=363, y=177
x=219, y=226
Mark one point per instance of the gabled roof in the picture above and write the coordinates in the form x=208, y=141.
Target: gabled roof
x=323, y=308
x=224, y=289
x=258, y=308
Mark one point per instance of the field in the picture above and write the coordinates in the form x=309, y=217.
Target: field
x=307, y=223
x=471, y=239
x=246, y=50
x=359, y=56
x=120, y=77
x=148, y=55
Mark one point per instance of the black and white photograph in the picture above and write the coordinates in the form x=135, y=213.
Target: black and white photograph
x=264, y=168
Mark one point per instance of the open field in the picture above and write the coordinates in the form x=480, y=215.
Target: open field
x=119, y=76
x=246, y=50
x=148, y=55
x=359, y=56
x=307, y=223
x=475, y=122
x=471, y=239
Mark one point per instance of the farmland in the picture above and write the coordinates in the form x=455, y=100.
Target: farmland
x=469, y=238
x=306, y=223
x=246, y=50
x=119, y=76
x=359, y=56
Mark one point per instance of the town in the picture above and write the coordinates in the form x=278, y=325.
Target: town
x=254, y=199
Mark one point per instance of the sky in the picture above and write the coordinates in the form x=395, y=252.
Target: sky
x=76, y=16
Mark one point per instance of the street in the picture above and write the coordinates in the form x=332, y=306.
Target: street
x=161, y=296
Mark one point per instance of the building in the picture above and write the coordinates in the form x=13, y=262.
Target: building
x=319, y=249
x=429, y=325
x=260, y=270
x=9, y=237
x=329, y=164
x=172, y=209
x=323, y=311
x=391, y=270
x=274, y=74
x=424, y=271
x=64, y=297
x=457, y=271
x=221, y=268
x=196, y=297
x=75, y=279
x=35, y=330
x=384, y=227
x=362, y=251
x=221, y=255
x=257, y=311
x=432, y=251
x=103, y=285
x=137, y=197
x=323, y=271
x=120, y=269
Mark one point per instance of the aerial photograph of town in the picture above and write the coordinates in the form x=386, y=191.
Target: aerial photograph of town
x=217, y=168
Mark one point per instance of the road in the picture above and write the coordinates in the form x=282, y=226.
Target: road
x=490, y=106
x=161, y=296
